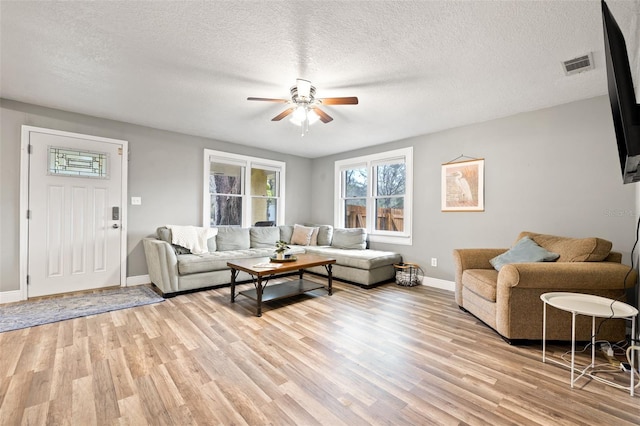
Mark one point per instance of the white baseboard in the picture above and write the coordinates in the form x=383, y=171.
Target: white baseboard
x=10, y=296
x=438, y=283
x=138, y=280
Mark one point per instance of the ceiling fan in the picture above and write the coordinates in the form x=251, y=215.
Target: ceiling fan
x=304, y=106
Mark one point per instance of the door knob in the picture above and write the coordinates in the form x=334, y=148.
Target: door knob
x=116, y=226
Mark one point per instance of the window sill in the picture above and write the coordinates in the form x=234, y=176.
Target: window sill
x=405, y=240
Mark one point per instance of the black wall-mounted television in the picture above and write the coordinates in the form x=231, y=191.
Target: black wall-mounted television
x=625, y=110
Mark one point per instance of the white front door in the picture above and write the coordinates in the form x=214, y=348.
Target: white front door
x=74, y=227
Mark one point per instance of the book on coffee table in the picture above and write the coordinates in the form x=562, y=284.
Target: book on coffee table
x=268, y=265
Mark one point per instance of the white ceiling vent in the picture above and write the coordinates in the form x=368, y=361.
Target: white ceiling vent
x=579, y=64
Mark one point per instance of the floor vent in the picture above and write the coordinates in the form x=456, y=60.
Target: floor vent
x=579, y=64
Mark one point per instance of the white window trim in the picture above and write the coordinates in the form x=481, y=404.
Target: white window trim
x=403, y=238
x=248, y=163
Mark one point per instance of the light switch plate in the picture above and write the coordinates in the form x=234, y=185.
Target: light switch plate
x=136, y=201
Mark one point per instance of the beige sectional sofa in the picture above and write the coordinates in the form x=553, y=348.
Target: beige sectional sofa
x=509, y=300
x=173, y=269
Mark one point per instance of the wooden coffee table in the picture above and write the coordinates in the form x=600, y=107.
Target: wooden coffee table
x=261, y=270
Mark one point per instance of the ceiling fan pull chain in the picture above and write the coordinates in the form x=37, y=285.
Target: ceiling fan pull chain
x=305, y=124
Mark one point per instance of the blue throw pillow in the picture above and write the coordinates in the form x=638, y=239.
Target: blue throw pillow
x=525, y=250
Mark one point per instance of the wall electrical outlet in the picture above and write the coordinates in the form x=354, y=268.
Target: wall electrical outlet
x=434, y=262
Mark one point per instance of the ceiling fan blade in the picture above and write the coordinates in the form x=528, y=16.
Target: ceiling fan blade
x=351, y=100
x=324, y=117
x=283, y=114
x=284, y=101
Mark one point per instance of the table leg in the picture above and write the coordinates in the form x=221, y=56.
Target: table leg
x=330, y=284
x=593, y=342
x=544, y=331
x=259, y=296
x=233, y=284
x=573, y=345
x=633, y=356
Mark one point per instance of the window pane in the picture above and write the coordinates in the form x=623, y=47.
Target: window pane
x=355, y=182
x=226, y=210
x=225, y=179
x=390, y=214
x=264, y=182
x=355, y=213
x=264, y=209
x=391, y=179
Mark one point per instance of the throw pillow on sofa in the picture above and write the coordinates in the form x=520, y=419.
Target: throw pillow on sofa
x=573, y=249
x=302, y=235
x=321, y=237
x=525, y=250
x=349, y=238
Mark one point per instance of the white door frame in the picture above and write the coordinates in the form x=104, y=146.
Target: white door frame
x=24, y=200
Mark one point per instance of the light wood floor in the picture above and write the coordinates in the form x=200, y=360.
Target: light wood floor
x=389, y=355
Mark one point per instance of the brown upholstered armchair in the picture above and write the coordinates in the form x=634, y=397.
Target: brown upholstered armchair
x=509, y=300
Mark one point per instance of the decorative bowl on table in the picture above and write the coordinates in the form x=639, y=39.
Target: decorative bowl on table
x=286, y=258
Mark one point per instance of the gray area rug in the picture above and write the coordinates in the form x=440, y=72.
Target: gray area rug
x=45, y=311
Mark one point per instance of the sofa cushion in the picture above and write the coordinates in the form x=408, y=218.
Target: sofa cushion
x=233, y=238
x=360, y=259
x=573, y=249
x=285, y=233
x=264, y=237
x=325, y=234
x=482, y=282
x=208, y=262
x=349, y=238
x=525, y=250
x=301, y=235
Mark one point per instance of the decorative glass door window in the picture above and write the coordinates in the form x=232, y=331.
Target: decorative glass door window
x=72, y=162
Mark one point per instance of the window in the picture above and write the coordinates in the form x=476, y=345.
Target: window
x=375, y=192
x=241, y=190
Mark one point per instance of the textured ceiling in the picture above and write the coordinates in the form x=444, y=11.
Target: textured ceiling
x=416, y=67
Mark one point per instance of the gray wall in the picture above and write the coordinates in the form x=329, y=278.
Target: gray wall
x=165, y=169
x=549, y=171
x=553, y=171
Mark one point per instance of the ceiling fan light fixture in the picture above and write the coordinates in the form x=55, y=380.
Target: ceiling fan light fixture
x=312, y=116
x=301, y=114
x=304, y=108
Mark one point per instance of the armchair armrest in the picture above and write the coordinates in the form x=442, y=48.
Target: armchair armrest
x=519, y=286
x=567, y=276
x=474, y=258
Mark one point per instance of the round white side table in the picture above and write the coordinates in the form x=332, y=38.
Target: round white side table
x=595, y=307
